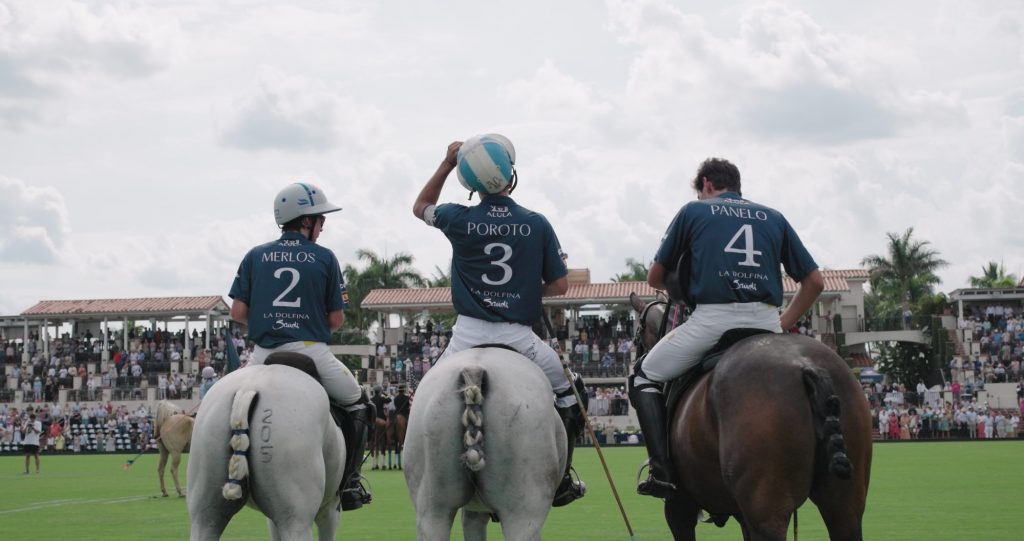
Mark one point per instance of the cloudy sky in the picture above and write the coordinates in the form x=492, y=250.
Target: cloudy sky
x=141, y=143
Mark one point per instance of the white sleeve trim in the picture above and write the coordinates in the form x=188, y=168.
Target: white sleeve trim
x=429, y=214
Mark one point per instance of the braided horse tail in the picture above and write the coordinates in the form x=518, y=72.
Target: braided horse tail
x=472, y=382
x=238, y=465
x=825, y=407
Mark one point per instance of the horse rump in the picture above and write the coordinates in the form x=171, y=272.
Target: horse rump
x=825, y=405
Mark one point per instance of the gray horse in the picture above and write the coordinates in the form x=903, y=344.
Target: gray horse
x=267, y=432
x=483, y=436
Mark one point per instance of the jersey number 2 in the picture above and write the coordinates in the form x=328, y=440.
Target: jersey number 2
x=747, y=232
x=279, y=301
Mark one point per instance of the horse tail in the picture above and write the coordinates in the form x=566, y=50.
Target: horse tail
x=238, y=465
x=472, y=391
x=825, y=407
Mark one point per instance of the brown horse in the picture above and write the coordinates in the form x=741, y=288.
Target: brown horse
x=762, y=433
x=173, y=431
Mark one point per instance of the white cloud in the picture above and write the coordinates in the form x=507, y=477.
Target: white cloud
x=49, y=49
x=551, y=94
x=34, y=221
x=291, y=112
x=782, y=77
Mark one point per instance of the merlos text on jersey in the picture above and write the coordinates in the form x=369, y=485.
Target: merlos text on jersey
x=498, y=230
x=739, y=212
x=288, y=257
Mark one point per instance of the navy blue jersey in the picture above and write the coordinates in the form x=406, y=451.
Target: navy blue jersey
x=290, y=285
x=734, y=250
x=502, y=255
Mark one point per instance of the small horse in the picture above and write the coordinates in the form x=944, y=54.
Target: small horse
x=173, y=430
x=760, y=434
x=287, y=456
x=484, y=437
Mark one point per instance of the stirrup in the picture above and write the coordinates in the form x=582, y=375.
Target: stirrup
x=652, y=486
x=570, y=489
x=355, y=495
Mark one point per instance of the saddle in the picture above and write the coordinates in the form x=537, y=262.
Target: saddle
x=677, y=388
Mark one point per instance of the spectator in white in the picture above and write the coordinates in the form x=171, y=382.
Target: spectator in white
x=30, y=443
x=381, y=351
x=136, y=373
x=162, y=387
x=90, y=385
x=990, y=423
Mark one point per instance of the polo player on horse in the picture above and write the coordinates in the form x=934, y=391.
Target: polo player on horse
x=722, y=255
x=291, y=294
x=505, y=259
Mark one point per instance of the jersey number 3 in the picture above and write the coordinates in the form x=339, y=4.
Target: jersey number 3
x=747, y=232
x=506, y=271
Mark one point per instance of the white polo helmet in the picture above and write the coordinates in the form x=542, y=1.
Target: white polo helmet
x=208, y=372
x=301, y=199
x=486, y=163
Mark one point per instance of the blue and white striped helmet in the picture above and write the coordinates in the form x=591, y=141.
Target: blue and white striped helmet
x=301, y=199
x=486, y=163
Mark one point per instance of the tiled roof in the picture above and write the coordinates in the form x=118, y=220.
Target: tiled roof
x=158, y=305
x=578, y=294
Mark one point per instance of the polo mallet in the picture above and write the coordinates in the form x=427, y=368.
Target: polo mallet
x=131, y=461
x=590, y=430
x=597, y=446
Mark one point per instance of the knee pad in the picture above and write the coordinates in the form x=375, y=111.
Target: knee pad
x=638, y=381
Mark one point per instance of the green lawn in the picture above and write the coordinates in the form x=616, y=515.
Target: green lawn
x=922, y=491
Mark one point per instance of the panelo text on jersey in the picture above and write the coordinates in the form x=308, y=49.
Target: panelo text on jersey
x=725, y=210
x=498, y=230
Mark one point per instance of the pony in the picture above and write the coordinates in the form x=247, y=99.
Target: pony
x=173, y=430
x=264, y=437
x=484, y=437
x=761, y=433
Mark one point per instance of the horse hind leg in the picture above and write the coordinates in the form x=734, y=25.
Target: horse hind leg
x=474, y=525
x=161, y=468
x=175, y=462
x=327, y=523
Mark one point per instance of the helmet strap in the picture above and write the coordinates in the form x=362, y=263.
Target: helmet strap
x=515, y=181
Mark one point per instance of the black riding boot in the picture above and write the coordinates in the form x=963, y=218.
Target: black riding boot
x=650, y=411
x=570, y=489
x=356, y=424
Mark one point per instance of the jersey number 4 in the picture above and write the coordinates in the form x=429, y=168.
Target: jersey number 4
x=747, y=232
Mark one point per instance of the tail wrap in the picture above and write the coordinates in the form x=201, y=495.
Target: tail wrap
x=238, y=465
x=473, y=417
x=826, y=408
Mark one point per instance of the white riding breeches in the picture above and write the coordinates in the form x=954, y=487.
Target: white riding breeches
x=336, y=378
x=684, y=347
x=469, y=332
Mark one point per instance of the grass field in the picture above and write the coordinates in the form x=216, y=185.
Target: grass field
x=922, y=491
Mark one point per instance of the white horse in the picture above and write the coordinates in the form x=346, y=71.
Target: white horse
x=286, y=454
x=483, y=436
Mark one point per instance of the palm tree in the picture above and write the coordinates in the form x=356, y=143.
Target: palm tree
x=380, y=273
x=440, y=278
x=907, y=272
x=636, y=272
x=993, y=276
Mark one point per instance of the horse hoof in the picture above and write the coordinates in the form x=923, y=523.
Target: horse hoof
x=163, y=495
